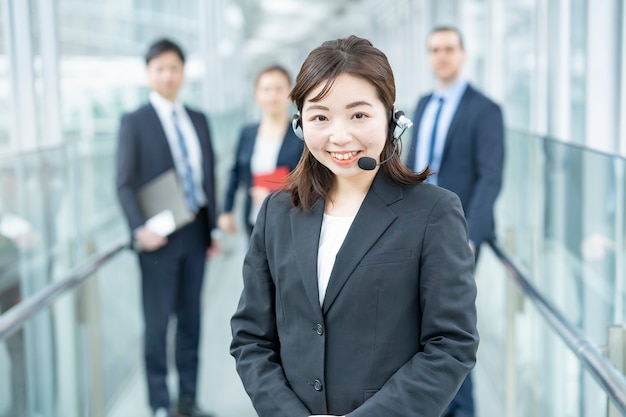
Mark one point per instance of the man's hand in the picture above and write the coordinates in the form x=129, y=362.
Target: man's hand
x=214, y=249
x=148, y=240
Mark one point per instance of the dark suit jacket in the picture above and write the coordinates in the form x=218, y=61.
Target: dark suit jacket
x=143, y=153
x=472, y=160
x=397, y=331
x=241, y=171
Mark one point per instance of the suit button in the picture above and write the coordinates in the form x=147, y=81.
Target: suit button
x=319, y=329
x=317, y=384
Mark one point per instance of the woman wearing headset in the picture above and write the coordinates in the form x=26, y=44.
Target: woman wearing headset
x=359, y=297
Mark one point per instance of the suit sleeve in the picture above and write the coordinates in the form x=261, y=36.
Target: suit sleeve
x=209, y=172
x=255, y=345
x=425, y=384
x=126, y=173
x=489, y=156
x=234, y=178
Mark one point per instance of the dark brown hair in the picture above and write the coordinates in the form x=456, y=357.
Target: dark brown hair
x=311, y=180
x=162, y=46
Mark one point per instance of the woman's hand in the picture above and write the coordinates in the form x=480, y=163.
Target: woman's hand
x=258, y=195
x=226, y=222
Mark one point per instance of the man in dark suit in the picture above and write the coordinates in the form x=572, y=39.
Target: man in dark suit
x=160, y=136
x=459, y=133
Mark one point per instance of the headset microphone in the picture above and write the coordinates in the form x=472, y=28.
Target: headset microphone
x=401, y=123
x=366, y=163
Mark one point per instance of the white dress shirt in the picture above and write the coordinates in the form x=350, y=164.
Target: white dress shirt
x=165, y=109
x=451, y=96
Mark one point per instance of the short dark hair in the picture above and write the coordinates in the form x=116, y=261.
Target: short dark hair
x=162, y=46
x=446, y=28
x=311, y=181
x=274, y=68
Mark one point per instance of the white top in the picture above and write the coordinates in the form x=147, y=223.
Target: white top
x=334, y=231
x=265, y=155
x=264, y=160
x=164, y=109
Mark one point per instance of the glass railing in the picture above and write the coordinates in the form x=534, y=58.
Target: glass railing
x=58, y=207
x=560, y=218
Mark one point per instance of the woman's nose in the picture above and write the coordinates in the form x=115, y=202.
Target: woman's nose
x=339, y=133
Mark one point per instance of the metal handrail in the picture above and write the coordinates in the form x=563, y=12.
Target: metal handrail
x=605, y=374
x=16, y=316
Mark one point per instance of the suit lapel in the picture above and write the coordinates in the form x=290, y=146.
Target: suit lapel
x=306, y=231
x=159, y=135
x=373, y=218
x=419, y=112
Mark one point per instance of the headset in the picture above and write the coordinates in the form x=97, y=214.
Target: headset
x=397, y=125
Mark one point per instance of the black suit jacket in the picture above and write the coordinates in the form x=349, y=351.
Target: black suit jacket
x=472, y=160
x=143, y=153
x=396, y=334
x=241, y=171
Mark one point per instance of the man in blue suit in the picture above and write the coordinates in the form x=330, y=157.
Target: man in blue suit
x=459, y=133
x=160, y=136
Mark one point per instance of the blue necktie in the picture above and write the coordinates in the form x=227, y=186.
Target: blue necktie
x=433, y=135
x=188, y=187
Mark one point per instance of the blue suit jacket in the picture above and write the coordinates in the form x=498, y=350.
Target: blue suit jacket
x=241, y=171
x=472, y=159
x=143, y=153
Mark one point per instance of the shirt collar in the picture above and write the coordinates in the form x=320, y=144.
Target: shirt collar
x=452, y=92
x=163, y=106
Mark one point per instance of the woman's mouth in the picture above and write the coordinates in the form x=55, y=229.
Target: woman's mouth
x=344, y=156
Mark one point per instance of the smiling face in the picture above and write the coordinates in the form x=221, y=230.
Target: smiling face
x=349, y=122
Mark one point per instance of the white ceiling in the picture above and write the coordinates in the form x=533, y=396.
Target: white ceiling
x=275, y=27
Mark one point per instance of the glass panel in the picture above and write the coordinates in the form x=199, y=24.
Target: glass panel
x=89, y=342
x=578, y=85
x=523, y=366
x=561, y=215
x=519, y=62
x=5, y=85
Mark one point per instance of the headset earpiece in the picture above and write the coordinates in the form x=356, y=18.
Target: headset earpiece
x=399, y=123
x=296, y=125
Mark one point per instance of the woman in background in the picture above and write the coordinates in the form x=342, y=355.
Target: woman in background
x=267, y=151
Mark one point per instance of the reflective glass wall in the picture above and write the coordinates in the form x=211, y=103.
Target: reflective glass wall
x=561, y=217
x=542, y=61
x=68, y=71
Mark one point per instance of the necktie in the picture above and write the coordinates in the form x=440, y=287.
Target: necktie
x=188, y=187
x=433, y=135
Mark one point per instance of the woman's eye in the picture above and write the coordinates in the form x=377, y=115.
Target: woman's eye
x=320, y=118
x=359, y=116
